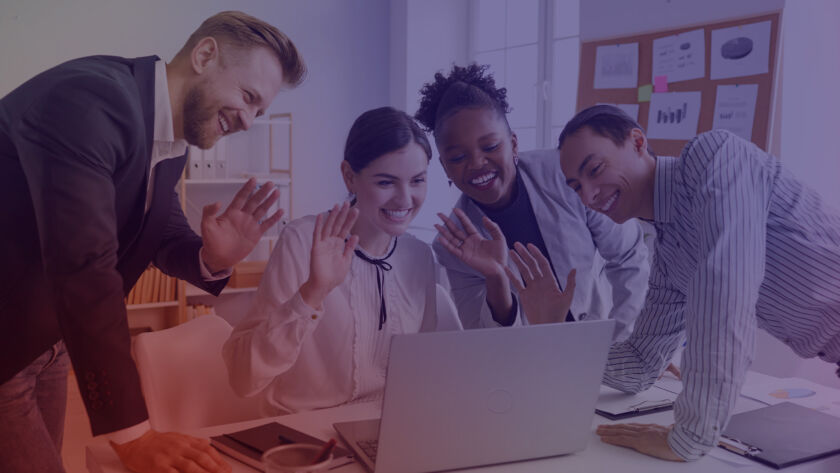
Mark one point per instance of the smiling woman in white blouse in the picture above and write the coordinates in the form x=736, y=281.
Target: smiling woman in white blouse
x=339, y=285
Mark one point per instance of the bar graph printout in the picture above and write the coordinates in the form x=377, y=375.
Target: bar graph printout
x=674, y=115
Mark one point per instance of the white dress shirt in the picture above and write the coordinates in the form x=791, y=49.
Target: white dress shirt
x=164, y=147
x=740, y=243
x=298, y=358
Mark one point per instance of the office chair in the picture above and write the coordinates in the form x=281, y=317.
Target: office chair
x=184, y=378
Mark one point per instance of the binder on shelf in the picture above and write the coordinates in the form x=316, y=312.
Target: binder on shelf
x=196, y=166
x=782, y=435
x=221, y=159
x=209, y=159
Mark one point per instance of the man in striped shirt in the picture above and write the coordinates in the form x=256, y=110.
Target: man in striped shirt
x=740, y=244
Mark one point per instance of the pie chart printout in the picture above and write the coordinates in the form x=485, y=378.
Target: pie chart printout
x=792, y=393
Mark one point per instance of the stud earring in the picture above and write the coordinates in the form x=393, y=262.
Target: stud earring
x=516, y=160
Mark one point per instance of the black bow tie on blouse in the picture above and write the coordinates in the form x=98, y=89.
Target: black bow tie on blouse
x=381, y=265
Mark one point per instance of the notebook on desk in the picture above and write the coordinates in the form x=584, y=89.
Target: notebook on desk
x=616, y=405
x=485, y=396
x=782, y=435
x=248, y=445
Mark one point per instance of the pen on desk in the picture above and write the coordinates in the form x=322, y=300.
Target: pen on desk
x=325, y=452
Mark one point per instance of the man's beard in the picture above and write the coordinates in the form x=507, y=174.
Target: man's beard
x=197, y=115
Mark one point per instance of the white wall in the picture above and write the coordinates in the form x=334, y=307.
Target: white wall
x=602, y=19
x=345, y=45
x=427, y=36
x=810, y=119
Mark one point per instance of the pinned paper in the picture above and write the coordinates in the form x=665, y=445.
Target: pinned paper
x=644, y=93
x=740, y=51
x=660, y=84
x=617, y=66
x=735, y=108
x=674, y=115
x=680, y=57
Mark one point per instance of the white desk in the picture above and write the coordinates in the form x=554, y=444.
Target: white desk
x=597, y=457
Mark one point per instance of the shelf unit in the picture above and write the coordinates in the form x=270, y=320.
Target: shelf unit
x=215, y=175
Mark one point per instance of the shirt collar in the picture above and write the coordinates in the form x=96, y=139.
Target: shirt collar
x=663, y=200
x=164, y=129
x=165, y=144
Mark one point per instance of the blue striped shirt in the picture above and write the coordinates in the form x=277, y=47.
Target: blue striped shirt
x=740, y=244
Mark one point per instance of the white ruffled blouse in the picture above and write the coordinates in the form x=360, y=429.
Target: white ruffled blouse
x=298, y=358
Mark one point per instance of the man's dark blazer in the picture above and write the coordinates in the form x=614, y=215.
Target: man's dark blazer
x=75, y=150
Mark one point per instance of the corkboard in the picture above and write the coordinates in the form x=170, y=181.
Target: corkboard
x=588, y=96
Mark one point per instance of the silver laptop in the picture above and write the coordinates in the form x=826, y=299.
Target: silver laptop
x=487, y=396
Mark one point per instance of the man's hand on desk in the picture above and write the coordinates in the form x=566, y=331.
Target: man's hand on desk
x=650, y=439
x=155, y=452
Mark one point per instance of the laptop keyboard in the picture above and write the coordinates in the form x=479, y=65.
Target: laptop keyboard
x=369, y=448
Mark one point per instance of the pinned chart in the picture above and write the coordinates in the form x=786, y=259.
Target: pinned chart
x=617, y=66
x=680, y=57
x=674, y=115
x=740, y=50
x=735, y=109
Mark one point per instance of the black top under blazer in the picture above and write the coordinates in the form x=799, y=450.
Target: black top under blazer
x=75, y=150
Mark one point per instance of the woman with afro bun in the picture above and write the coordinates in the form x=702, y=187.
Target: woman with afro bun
x=516, y=211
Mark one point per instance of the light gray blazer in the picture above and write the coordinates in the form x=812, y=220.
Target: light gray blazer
x=611, y=259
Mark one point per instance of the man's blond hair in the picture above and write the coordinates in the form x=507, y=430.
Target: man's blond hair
x=242, y=31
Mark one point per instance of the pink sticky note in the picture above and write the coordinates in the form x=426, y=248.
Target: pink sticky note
x=660, y=84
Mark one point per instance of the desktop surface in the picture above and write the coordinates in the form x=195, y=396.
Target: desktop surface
x=597, y=456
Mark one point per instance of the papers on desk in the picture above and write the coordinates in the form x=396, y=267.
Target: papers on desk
x=614, y=404
x=772, y=391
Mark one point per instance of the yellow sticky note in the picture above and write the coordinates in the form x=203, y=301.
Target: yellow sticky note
x=644, y=93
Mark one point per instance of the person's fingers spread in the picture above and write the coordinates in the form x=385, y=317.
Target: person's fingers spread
x=529, y=259
x=319, y=228
x=210, y=211
x=341, y=220
x=542, y=261
x=350, y=245
x=453, y=227
x=326, y=231
x=524, y=258
x=266, y=204
x=514, y=279
x=352, y=216
x=445, y=235
x=521, y=266
x=241, y=196
x=450, y=247
x=465, y=222
x=257, y=197
x=493, y=228
x=271, y=221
